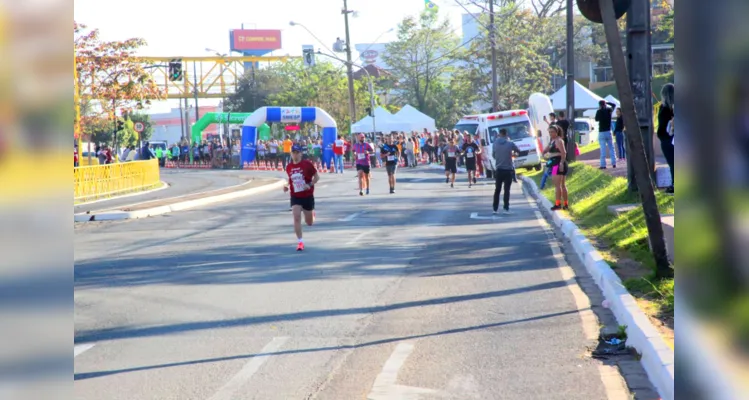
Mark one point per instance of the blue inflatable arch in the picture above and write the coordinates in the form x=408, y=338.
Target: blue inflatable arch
x=288, y=115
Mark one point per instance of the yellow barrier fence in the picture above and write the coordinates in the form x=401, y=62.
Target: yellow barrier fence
x=99, y=181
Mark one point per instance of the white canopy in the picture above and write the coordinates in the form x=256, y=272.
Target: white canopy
x=584, y=98
x=364, y=125
x=418, y=119
x=383, y=121
x=613, y=100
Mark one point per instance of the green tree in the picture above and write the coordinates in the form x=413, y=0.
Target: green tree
x=292, y=84
x=422, y=59
x=523, y=63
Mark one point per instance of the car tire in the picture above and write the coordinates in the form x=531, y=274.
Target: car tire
x=537, y=167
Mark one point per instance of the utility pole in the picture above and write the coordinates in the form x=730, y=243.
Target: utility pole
x=570, y=82
x=195, y=82
x=631, y=122
x=349, y=69
x=639, y=65
x=493, y=42
x=181, y=121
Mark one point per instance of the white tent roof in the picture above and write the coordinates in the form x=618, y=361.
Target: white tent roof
x=584, y=98
x=364, y=125
x=417, y=118
x=383, y=121
x=613, y=100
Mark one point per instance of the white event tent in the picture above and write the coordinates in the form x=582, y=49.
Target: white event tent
x=584, y=98
x=383, y=121
x=418, y=119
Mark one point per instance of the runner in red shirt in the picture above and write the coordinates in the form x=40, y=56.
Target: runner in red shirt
x=302, y=179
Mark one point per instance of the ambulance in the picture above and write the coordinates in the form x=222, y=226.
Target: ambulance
x=526, y=128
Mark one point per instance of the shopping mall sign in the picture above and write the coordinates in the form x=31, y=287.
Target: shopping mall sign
x=255, y=39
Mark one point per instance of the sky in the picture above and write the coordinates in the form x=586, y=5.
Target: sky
x=187, y=28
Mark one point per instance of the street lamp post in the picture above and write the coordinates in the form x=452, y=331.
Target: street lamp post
x=371, y=85
x=349, y=70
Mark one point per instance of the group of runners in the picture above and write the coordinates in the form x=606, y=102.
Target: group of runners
x=303, y=175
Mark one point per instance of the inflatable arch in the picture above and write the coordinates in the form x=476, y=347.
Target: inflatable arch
x=288, y=115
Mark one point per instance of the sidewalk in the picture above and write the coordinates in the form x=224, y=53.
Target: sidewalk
x=593, y=157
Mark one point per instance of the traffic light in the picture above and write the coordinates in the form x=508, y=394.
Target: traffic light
x=591, y=10
x=120, y=125
x=308, y=53
x=175, y=70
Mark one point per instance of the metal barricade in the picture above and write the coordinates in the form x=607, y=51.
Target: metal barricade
x=100, y=181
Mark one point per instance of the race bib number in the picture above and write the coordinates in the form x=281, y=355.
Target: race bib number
x=297, y=180
x=391, y=158
x=451, y=154
x=361, y=156
x=469, y=155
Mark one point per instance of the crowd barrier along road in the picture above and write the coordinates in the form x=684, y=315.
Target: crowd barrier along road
x=94, y=182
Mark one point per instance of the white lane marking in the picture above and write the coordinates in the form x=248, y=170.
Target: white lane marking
x=476, y=216
x=350, y=217
x=361, y=236
x=420, y=180
x=81, y=348
x=227, y=391
x=384, y=387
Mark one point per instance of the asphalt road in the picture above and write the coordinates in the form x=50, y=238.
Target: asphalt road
x=181, y=182
x=400, y=296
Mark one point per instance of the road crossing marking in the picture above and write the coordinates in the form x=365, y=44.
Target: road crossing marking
x=227, y=391
x=361, y=236
x=384, y=387
x=81, y=348
x=350, y=217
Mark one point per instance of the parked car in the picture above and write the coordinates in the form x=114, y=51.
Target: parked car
x=586, y=131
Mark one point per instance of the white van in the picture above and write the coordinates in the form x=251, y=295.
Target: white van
x=587, y=129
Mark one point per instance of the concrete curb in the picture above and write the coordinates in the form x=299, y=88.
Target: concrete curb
x=184, y=205
x=657, y=357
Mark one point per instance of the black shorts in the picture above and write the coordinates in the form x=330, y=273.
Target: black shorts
x=451, y=165
x=307, y=203
x=471, y=164
x=391, y=168
x=364, y=168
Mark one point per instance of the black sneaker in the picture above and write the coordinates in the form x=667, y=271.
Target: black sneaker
x=392, y=191
x=556, y=208
x=565, y=207
x=601, y=167
x=474, y=181
x=452, y=186
x=361, y=193
x=447, y=180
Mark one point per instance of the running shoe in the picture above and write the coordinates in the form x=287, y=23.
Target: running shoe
x=494, y=212
x=367, y=191
x=565, y=207
x=452, y=186
x=300, y=247
x=506, y=211
x=447, y=180
x=469, y=185
x=474, y=180
x=392, y=191
x=556, y=208
x=361, y=193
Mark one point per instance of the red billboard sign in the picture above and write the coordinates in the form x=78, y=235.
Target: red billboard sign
x=256, y=39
